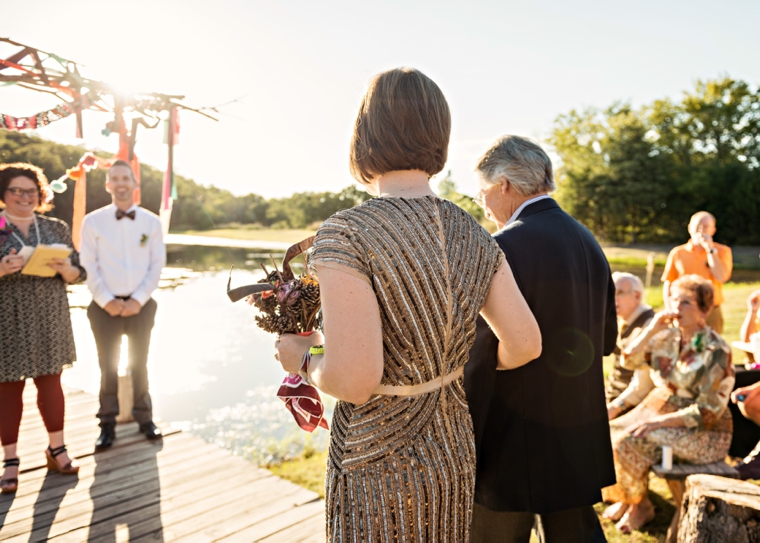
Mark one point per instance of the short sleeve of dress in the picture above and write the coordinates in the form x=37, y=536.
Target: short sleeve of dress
x=497, y=255
x=336, y=246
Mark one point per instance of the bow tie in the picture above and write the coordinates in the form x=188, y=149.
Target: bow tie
x=121, y=214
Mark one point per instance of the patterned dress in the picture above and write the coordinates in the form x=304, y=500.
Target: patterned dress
x=35, y=333
x=402, y=468
x=694, y=381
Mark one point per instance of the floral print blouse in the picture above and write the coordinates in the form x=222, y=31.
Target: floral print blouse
x=700, y=370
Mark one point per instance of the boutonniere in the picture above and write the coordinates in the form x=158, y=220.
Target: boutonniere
x=5, y=230
x=698, y=342
x=143, y=240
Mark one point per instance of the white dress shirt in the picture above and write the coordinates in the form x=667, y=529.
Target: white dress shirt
x=122, y=257
x=525, y=204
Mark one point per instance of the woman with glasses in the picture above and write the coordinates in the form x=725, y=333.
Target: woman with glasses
x=692, y=379
x=36, y=339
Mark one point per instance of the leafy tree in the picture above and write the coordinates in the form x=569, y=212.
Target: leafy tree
x=447, y=189
x=638, y=175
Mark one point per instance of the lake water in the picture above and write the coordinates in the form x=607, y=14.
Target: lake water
x=212, y=370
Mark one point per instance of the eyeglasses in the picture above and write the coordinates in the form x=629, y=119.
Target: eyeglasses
x=479, y=198
x=23, y=192
x=682, y=301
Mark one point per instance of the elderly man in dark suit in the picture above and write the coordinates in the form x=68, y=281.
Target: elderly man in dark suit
x=542, y=436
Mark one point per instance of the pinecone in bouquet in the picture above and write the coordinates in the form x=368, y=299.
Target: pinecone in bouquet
x=287, y=304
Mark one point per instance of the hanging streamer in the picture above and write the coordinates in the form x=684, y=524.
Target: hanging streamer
x=169, y=190
x=44, y=118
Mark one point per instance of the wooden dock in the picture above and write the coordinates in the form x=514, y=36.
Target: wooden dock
x=176, y=489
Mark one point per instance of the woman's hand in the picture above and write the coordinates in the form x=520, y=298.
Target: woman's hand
x=663, y=320
x=642, y=429
x=748, y=393
x=291, y=348
x=64, y=267
x=11, y=263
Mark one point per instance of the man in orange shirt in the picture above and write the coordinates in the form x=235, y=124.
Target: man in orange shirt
x=701, y=256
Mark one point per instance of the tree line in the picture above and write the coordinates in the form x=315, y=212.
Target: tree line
x=638, y=174
x=198, y=207
x=631, y=175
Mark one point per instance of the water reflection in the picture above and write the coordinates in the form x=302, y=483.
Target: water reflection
x=211, y=368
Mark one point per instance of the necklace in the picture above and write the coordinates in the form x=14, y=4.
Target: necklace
x=18, y=218
x=36, y=228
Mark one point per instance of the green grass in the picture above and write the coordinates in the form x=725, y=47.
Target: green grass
x=308, y=470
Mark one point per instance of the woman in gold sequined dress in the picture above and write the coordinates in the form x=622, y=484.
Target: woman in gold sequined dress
x=403, y=278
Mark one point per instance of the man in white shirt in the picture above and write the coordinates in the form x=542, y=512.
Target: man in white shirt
x=123, y=252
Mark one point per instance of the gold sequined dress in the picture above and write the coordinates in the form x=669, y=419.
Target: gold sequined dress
x=402, y=468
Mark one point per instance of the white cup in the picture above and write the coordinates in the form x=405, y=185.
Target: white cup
x=667, y=457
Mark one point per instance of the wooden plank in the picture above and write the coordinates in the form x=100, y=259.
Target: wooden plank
x=681, y=471
x=277, y=523
x=311, y=530
x=94, y=481
x=256, y=503
x=148, y=518
x=80, y=445
x=118, y=501
x=181, y=488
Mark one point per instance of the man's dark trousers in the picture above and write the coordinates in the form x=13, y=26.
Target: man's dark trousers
x=108, y=331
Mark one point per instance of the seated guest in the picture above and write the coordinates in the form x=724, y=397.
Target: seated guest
x=747, y=399
x=633, y=315
x=692, y=378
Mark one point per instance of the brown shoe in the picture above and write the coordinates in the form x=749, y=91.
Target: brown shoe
x=69, y=469
x=9, y=486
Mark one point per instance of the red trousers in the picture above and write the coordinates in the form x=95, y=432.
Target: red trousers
x=49, y=401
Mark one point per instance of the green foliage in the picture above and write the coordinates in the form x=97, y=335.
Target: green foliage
x=447, y=189
x=638, y=175
x=197, y=208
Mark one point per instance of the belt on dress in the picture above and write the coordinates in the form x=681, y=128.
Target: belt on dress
x=416, y=390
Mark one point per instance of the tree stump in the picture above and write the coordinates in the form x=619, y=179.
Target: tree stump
x=719, y=510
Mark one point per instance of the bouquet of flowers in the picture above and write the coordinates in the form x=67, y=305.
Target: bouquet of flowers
x=5, y=230
x=289, y=305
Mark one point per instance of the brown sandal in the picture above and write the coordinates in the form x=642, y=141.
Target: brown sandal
x=9, y=486
x=69, y=469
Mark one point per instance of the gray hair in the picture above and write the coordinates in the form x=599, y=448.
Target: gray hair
x=635, y=282
x=521, y=161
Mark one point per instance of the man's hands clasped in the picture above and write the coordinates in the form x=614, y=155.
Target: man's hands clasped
x=123, y=308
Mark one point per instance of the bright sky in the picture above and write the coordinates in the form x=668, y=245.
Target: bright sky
x=301, y=66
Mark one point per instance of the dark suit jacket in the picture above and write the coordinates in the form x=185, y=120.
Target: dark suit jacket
x=542, y=436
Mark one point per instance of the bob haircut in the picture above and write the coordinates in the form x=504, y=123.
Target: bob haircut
x=9, y=172
x=700, y=287
x=404, y=123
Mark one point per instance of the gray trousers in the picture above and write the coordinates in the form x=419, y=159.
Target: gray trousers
x=108, y=331
x=579, y=525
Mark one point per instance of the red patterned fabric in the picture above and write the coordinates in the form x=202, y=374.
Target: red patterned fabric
x=304, y=403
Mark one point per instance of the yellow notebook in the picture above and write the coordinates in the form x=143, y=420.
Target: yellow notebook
x=37, y=262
